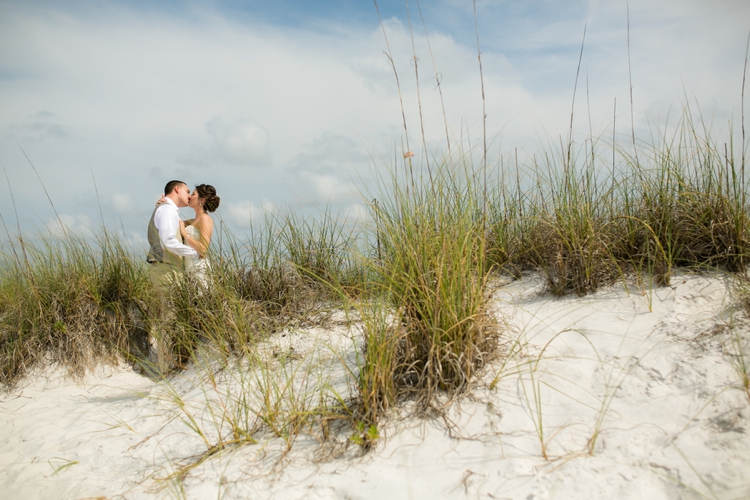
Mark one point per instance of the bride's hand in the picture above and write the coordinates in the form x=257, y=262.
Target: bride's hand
x=161, y=200
x=183, y=231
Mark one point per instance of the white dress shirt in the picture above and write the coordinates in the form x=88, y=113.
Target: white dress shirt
x=167, y=223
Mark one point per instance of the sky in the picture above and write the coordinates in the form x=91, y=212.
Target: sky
x=293, y=104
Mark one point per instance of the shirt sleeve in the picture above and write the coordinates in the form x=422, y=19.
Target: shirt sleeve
x=167, y=222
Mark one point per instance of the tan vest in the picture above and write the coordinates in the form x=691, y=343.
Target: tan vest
x=156, y=252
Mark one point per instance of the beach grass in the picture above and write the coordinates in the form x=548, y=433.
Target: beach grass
x=429, y=329
x=413, y=279
x=72, y=302
x=422, y=258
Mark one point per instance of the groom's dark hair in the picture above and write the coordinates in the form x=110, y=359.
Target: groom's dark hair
x=171, y=185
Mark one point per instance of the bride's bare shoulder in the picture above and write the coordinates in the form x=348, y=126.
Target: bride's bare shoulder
x=205, y=221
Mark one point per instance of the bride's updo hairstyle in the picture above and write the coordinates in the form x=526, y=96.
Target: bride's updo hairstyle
x=207, y=193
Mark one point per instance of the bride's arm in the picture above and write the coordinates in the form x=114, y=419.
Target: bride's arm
x=206, y=229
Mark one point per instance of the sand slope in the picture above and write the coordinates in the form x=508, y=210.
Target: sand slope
x=628, y=395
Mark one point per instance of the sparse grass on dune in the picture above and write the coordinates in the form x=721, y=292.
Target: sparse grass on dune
x=738, y=346
x=265, y=397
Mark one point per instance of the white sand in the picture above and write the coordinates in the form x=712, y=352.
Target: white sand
x=659, y=388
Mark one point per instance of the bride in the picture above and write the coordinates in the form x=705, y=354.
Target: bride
x=197, y=232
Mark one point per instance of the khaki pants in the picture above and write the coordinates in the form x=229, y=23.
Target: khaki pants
x=162, y=277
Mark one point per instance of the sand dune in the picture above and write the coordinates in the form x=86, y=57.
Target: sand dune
x=619, y=394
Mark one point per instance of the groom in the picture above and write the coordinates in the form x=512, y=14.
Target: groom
x=165, y=258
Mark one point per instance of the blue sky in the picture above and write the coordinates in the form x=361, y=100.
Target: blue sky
x=286, y=103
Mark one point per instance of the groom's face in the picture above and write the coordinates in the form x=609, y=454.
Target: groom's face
x=183, y=195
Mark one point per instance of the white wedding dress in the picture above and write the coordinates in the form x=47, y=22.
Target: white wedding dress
x=198, y=269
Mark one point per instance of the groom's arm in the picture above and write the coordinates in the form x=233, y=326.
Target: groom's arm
x=167, y=223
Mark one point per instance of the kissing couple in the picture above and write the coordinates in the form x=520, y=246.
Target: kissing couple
x=178, y=247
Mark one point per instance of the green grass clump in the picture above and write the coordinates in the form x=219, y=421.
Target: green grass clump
x=321, y=249
x=690, y=199
x=589, y=220
x=71, y=302
x=430, y=280
x=574, y=240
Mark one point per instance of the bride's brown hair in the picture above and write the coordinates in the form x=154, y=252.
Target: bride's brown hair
x=207, y=193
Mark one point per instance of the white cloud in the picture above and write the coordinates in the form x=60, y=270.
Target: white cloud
x=122, y=203
x=356, y=212
x=245, y=213
x=327, y=186
x=328, y=169
x=67, y=225
x=242, y=142
x=38, y=126
x=130, y=94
